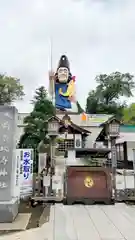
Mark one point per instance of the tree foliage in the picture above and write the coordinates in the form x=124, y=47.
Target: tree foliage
x=36, y=123
x=106, y=97
x=10, y=89
x=80, y=109
x=129, y=115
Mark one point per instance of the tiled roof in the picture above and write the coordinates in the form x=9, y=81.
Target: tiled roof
x=72, y=124
x=92, y=120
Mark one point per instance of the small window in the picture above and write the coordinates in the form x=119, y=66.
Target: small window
x=66, y=144
x=121, y=152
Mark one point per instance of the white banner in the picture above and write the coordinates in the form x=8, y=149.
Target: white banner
x=26, y=172
x=16, y=183
x=56, y=182
x=41, y=161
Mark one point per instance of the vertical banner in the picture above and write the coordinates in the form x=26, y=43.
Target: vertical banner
x=16, y=192
x=26, y=172
x=41, y=161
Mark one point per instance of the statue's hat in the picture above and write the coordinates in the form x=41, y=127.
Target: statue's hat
x=63, y=62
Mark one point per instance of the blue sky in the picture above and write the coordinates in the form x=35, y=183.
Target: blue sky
x=98, y=36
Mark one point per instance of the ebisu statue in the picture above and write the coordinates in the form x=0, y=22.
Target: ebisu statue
x=62, y=85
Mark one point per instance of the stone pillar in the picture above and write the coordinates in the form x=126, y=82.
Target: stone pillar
x=8, y=126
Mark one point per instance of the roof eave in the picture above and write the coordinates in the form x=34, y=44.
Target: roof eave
x=109, y=120
x=73, y=125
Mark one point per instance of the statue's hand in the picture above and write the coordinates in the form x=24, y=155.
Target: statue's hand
x=51, y=75
x=72, y=99
x=66, y=94
x=60, y=91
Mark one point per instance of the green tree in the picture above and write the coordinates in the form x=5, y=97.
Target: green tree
x=112, y=87
x=36, y=123
x=106, y=97
x=92, y=103
x=10, y=89
x=80, y=109
x=129, y=114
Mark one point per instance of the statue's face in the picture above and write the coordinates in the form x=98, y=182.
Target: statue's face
x=63, y=74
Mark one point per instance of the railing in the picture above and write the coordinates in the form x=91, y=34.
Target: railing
x=120, y=164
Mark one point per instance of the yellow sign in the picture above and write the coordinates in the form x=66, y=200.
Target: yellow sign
x=88, y=182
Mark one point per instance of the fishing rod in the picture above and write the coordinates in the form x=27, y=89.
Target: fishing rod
x=52, y=83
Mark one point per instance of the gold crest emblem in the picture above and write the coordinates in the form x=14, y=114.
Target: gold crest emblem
x=88, y=182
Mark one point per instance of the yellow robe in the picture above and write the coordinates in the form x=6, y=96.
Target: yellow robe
x=70, y=90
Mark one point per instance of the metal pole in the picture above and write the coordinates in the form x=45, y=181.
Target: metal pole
x=134, y=168
x=114, y=165
x=52, y=161
x=66, y=145
x=51, y=67
x=50, y=172
x=65, y=160
x=124, y=175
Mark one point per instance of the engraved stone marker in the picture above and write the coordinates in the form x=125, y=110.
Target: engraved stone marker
x=8, y=126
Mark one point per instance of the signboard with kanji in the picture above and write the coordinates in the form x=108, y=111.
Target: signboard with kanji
x=16, y=189
x=8, y=127
x=26, y=171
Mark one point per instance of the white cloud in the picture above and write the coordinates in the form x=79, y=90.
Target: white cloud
x=97, y=36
